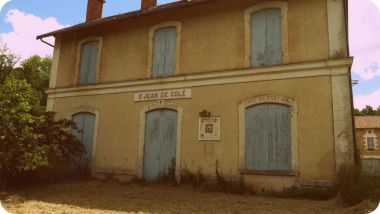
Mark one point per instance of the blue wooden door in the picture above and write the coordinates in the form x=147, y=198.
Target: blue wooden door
x=160, y=143
x=266, y=37
x=85, y=133
x=164, y=52
x=268, y=138
x=88, y=63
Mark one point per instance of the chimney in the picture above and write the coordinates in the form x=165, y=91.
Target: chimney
x=94, y=10
x=146, y=4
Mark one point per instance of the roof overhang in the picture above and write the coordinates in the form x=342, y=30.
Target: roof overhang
x=110, y=19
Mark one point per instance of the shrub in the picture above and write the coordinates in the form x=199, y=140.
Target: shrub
x=195, y=179
x=32, y=144
x=354, y=186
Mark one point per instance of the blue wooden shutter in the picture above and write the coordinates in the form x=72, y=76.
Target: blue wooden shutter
x=160, y=143
x=151, y=145
x=164, y=52
x=268, y=138
x=170, y=46
x=86, y=125
x=266, y=41
x=274, y=37
x=88, y=63
x=258, y=40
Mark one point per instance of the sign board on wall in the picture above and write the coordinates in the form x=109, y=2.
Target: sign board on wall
x=163, y=95
x=209, y=128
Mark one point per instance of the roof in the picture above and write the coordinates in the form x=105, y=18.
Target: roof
x=367, y=122
x=178, y=4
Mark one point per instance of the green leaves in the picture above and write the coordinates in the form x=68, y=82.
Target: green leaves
x=32, y=142
x=36, y=71
x=367, y=111
x=7, y=63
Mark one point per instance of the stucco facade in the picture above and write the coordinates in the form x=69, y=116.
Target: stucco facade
x=211, y=61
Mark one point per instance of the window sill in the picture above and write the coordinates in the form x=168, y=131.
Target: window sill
x=272, y=173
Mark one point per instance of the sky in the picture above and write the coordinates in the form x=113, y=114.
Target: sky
x=22, y=20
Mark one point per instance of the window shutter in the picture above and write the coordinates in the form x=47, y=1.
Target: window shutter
x=268, y=138
x=170, y=47
x=256, y=138
x=86, y=125
x=78, y=120
x=266, y=41
x=164, y=52
x=159, y=53
x=88, y=63
x=258, y=35
x=274, y=37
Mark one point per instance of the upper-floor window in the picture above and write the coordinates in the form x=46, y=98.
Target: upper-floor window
x=164, y=49
x=370, y=140
x=164, y=52
x=266, y=37
x=266, y=34
x=88, y=63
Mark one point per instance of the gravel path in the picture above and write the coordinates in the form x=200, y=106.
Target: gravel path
x=114, y=197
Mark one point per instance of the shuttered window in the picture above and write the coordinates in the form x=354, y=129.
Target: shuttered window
x=88, y=63
x=85, y=133
x=266, y=37
x=268, y=138
x=164, y=52
x=160, y=143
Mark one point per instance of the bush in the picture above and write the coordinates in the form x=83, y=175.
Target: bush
x=354, y=186
x=32, y=144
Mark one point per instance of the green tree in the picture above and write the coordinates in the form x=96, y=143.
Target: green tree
x=357, y=112
x=368, y=110
x=36, y=71
x=7, y=63
x=31, y=141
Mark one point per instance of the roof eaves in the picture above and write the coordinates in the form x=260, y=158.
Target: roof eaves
x=182, y=3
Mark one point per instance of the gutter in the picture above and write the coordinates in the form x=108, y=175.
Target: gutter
x=42, y=40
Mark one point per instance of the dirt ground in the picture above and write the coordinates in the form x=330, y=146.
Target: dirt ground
x=113, y=197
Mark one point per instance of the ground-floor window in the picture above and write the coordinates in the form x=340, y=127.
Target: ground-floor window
x=85, y=131
x=160, y=143
x=268, y=138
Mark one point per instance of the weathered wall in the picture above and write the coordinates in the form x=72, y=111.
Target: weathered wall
x=212, y=39
x=118, y=131
x=360, y=142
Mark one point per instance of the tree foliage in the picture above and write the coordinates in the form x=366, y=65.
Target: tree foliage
x=36, y=71
x=7, y=63
x=32, y=143
x=367, y=111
